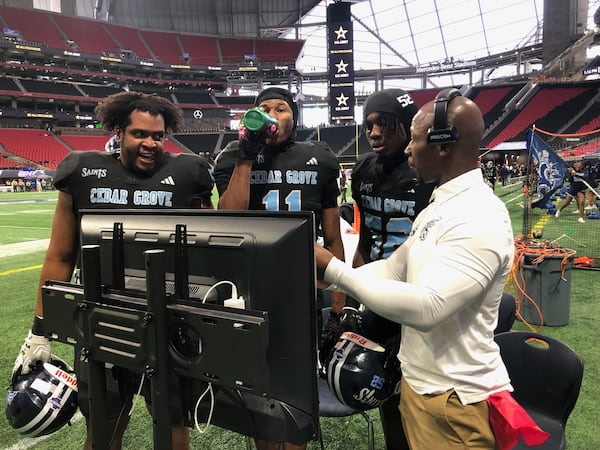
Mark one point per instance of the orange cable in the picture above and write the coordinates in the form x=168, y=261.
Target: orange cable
x=583, y=133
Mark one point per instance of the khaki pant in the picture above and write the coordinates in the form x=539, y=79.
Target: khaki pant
x=443, y=422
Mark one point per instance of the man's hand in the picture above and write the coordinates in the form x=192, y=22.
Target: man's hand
x=322, y=284
x=329, y=336
x=322, y=257
x=35, y=348
x=250, y=143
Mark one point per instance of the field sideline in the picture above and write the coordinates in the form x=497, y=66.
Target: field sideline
x=25, y=229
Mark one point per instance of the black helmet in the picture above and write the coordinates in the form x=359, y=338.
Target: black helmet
x=43, y=400
x=361, y=373
x=370, y=325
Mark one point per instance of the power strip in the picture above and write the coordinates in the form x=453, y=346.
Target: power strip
x=238, y=303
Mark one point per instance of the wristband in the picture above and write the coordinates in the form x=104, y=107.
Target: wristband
x=38, y=326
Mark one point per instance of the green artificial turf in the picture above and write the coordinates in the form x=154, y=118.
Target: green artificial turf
x=31, y=220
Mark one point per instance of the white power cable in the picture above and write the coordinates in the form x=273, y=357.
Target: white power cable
x=234, y=294
x=137, y=395
x=210, y=413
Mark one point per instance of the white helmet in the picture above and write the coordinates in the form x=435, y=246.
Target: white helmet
x=112, y=145
x=361, y=373
x=43, y=400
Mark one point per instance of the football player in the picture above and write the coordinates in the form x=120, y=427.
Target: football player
x=140, y=175
x=388, y=196
x=444, y=285
x=277, y=173
x=491, y=172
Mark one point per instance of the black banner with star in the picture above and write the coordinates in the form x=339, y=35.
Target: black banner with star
x=340, y=50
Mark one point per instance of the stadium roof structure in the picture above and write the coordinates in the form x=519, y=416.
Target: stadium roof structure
x=398, y=38
x=231, y=18
x=410, y=44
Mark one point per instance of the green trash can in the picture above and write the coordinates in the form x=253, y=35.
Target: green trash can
x=549, y=287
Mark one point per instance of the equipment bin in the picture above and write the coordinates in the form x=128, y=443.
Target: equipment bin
x=548, y=284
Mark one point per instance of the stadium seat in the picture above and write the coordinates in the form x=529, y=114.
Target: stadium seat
x=546, y=375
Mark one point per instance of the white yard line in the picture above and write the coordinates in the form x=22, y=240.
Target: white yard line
x=26, y=443
x=21, y=248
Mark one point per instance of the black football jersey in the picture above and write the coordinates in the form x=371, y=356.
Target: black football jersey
x=490, y=172
x=99, y=180
x=389, y=201
x=301, y=176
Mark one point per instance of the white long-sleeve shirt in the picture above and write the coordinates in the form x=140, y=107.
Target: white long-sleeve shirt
x=444, y=284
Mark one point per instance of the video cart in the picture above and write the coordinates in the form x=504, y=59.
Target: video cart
x=255, y=358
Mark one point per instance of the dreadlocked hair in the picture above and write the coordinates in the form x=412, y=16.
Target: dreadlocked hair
x=114, y=112
x=388, y=121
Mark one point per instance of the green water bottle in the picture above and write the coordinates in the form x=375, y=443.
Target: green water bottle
x=258, y=121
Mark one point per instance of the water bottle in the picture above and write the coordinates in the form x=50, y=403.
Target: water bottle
x=258, y=121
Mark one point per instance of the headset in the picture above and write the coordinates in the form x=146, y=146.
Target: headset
x=442, y=132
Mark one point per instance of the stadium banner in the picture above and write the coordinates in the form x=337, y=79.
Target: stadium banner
x=340, y=60
x=550, y=167
x=26, y=173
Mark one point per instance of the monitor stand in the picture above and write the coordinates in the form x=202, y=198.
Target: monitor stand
x=133, y=331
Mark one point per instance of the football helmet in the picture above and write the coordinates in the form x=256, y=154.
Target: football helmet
x=361, y=373
x=43, y=400
x=379, y=329
x=112, y=145
x=350, y=319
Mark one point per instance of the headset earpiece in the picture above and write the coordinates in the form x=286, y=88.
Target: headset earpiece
x=442, y=132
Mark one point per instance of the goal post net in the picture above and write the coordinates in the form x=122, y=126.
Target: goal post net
x=564, y=174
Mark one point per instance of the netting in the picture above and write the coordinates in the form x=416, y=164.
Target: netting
x=584, y=144
x=561, y=198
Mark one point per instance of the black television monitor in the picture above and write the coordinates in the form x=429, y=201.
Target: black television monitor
x=269, y=256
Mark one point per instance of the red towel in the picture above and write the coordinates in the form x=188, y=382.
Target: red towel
x=510, y=422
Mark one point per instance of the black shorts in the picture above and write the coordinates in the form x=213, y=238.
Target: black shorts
x=576, y=188
x=121, y=386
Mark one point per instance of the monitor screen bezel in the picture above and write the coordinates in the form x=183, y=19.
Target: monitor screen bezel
x=294, y=386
